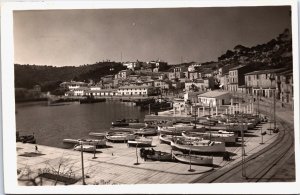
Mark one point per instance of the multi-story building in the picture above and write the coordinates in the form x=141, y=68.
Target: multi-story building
x=80, y=91
x=193, y=75
x=123, y=74
x=102, y=92
x=162, y=84
x=263, y=82
x=237, y=77
x=287, y=86
x=199, y=84
x=136, y=90
x=224, y=80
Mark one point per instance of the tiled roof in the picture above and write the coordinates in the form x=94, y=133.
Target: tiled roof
x=213, y=94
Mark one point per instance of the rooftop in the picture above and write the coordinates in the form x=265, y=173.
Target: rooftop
x=266, y=71
x=135, y=87
x=213, y=94
x=237, y=67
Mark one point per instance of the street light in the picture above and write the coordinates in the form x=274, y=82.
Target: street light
x=190, y=170
x=82, y=164
x=136, y=153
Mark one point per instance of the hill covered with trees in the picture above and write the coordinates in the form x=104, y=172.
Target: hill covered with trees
x=49, y=77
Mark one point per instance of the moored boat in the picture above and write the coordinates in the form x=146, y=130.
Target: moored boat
x=119, y=136
x=155, y=155
x=165, y=138
x=193, y=159
x=145, y=131
x=141, y=141
x=95, y=142
x=85, y=148
x=198, y=146
x=227, y=138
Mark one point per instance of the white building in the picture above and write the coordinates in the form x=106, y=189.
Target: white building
x=215, y=98
x=102, y=92
x=131, y=90
x=80, y=91
x=73, y=85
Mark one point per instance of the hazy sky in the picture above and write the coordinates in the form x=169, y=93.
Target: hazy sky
x=77, y=37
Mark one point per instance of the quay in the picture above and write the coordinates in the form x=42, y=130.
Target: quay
x=115, y=164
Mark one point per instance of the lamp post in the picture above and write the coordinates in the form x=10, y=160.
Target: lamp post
x=262, y=135
x=190, y=169
x=243, y=154
x=82, y=164
x=137, y=157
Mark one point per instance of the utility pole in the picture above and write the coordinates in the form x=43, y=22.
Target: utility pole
x=137, y=157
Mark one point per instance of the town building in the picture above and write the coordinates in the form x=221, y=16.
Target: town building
x=287, y=86
x=73, y=85
x=132, y=65
x=162, y=84
x=80, y=91
x=102, y=92
x=136, y=90
x=199, y=84
x=237, y=77
x=123, y=74
x=215, y=98
x=191, y=97
x=263, y=82
x=191, y=75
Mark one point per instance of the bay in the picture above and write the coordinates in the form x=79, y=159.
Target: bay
x=52, y=124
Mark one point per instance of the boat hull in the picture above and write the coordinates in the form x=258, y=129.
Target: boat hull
x=193, y=159
x=213, y=148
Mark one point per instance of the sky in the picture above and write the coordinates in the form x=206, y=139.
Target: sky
x=174, y=35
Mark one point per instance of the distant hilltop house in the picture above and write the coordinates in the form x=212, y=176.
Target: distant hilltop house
x=133, y=65
x=123, y=74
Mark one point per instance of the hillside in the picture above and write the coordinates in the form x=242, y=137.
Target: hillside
x=49, y=77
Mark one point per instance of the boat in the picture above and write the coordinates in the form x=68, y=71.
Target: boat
x=197, y=145
x=97, y=134
x=90, y=100
x=119, y=136
x=145, y=131
x=124, y=122
x=25, y=138
x=168, y=130
x=165, y=138
x=141, y=141
x=85, y=148
x=95, y=142
x=155, y=155
x=227, y=138
x=193, y=159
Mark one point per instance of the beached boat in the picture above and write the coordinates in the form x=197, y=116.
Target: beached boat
x=145, y=131
x=141, y=141
x=200, y=145
x=193, y=159
x=119, y=136
x=85, y=148
x=95, y=142
x=165, y=138
x=227, y=138
x=100, y=135
x=155, y=155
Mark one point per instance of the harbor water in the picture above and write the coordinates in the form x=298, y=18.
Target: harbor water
x=52, y=124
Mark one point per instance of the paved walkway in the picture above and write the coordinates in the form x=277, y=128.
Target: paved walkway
x=115, y=165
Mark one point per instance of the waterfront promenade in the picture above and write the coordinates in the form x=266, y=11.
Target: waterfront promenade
x=115, y=164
